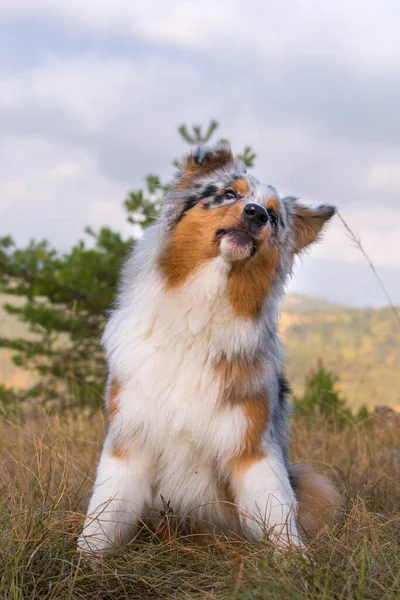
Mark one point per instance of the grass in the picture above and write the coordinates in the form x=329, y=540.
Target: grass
x=47, y=468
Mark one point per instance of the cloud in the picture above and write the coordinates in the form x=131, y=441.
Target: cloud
x=348, y=284
x=85, y=91
x=362, y=32
x=385, y=178
x=53, y=190
x=378, y=233
x=92, y=92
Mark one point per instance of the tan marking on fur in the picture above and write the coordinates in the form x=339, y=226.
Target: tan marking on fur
x=119, y=450
x=249, y=281
x=193, y=242
x=274, y=204
x=242, y=464
x=318, y=499
x=112, y=403
x=307, y=225
x=239, y=376
x=256, y=411
x=193, y=169
x=241, y=186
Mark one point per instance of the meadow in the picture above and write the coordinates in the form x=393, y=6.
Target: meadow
x=47, y=468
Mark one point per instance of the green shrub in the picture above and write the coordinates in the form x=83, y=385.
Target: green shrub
x=322, y=398
x=9, y=402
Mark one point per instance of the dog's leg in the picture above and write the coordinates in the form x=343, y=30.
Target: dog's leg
x=120, y=492
x=265, y=499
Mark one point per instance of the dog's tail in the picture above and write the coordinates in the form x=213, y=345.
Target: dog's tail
x=318, y=499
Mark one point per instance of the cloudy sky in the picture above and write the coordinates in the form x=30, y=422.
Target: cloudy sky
x=92, y=91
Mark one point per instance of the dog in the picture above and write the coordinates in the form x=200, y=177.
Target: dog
x=196, y=400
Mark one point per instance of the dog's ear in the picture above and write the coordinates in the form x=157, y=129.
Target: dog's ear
x=308, y=223
x=204, y=160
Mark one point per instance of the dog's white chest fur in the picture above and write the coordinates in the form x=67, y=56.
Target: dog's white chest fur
x=163, y=350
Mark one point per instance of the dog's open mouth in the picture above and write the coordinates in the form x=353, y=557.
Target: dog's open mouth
x=237, y=242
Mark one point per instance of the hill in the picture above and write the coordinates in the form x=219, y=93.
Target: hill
x=362, y=346
x=299, y=303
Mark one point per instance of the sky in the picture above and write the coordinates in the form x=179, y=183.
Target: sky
x=92, y=93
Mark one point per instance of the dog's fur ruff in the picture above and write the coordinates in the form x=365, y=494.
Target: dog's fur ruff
x=196, y=398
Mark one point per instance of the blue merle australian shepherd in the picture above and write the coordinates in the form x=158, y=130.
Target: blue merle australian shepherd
x=196, y=399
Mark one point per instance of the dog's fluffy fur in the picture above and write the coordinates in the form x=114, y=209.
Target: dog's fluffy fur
x=196, y=398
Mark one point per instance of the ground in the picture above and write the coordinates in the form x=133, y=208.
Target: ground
x=48, y=467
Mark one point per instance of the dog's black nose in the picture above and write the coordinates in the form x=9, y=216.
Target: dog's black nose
x=255, y=214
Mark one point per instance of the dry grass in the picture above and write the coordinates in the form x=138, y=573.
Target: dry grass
x=47, y=470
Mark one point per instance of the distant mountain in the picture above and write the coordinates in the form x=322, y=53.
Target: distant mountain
x=362, y=346
x=300, y=303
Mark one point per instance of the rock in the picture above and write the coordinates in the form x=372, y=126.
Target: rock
x=386, y=417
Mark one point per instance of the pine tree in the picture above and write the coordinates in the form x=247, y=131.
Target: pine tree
x=66, y=296
x=322, y=396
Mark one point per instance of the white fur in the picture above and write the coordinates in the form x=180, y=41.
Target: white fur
x=267, y=501
x=121, y=492
x=232, y=251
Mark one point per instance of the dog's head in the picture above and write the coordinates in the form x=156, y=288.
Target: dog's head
x=215, y=208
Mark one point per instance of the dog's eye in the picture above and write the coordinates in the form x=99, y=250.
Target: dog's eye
x=230, y=194
x=273, y=217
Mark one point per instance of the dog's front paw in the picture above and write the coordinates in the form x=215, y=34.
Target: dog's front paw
x=90, y=545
